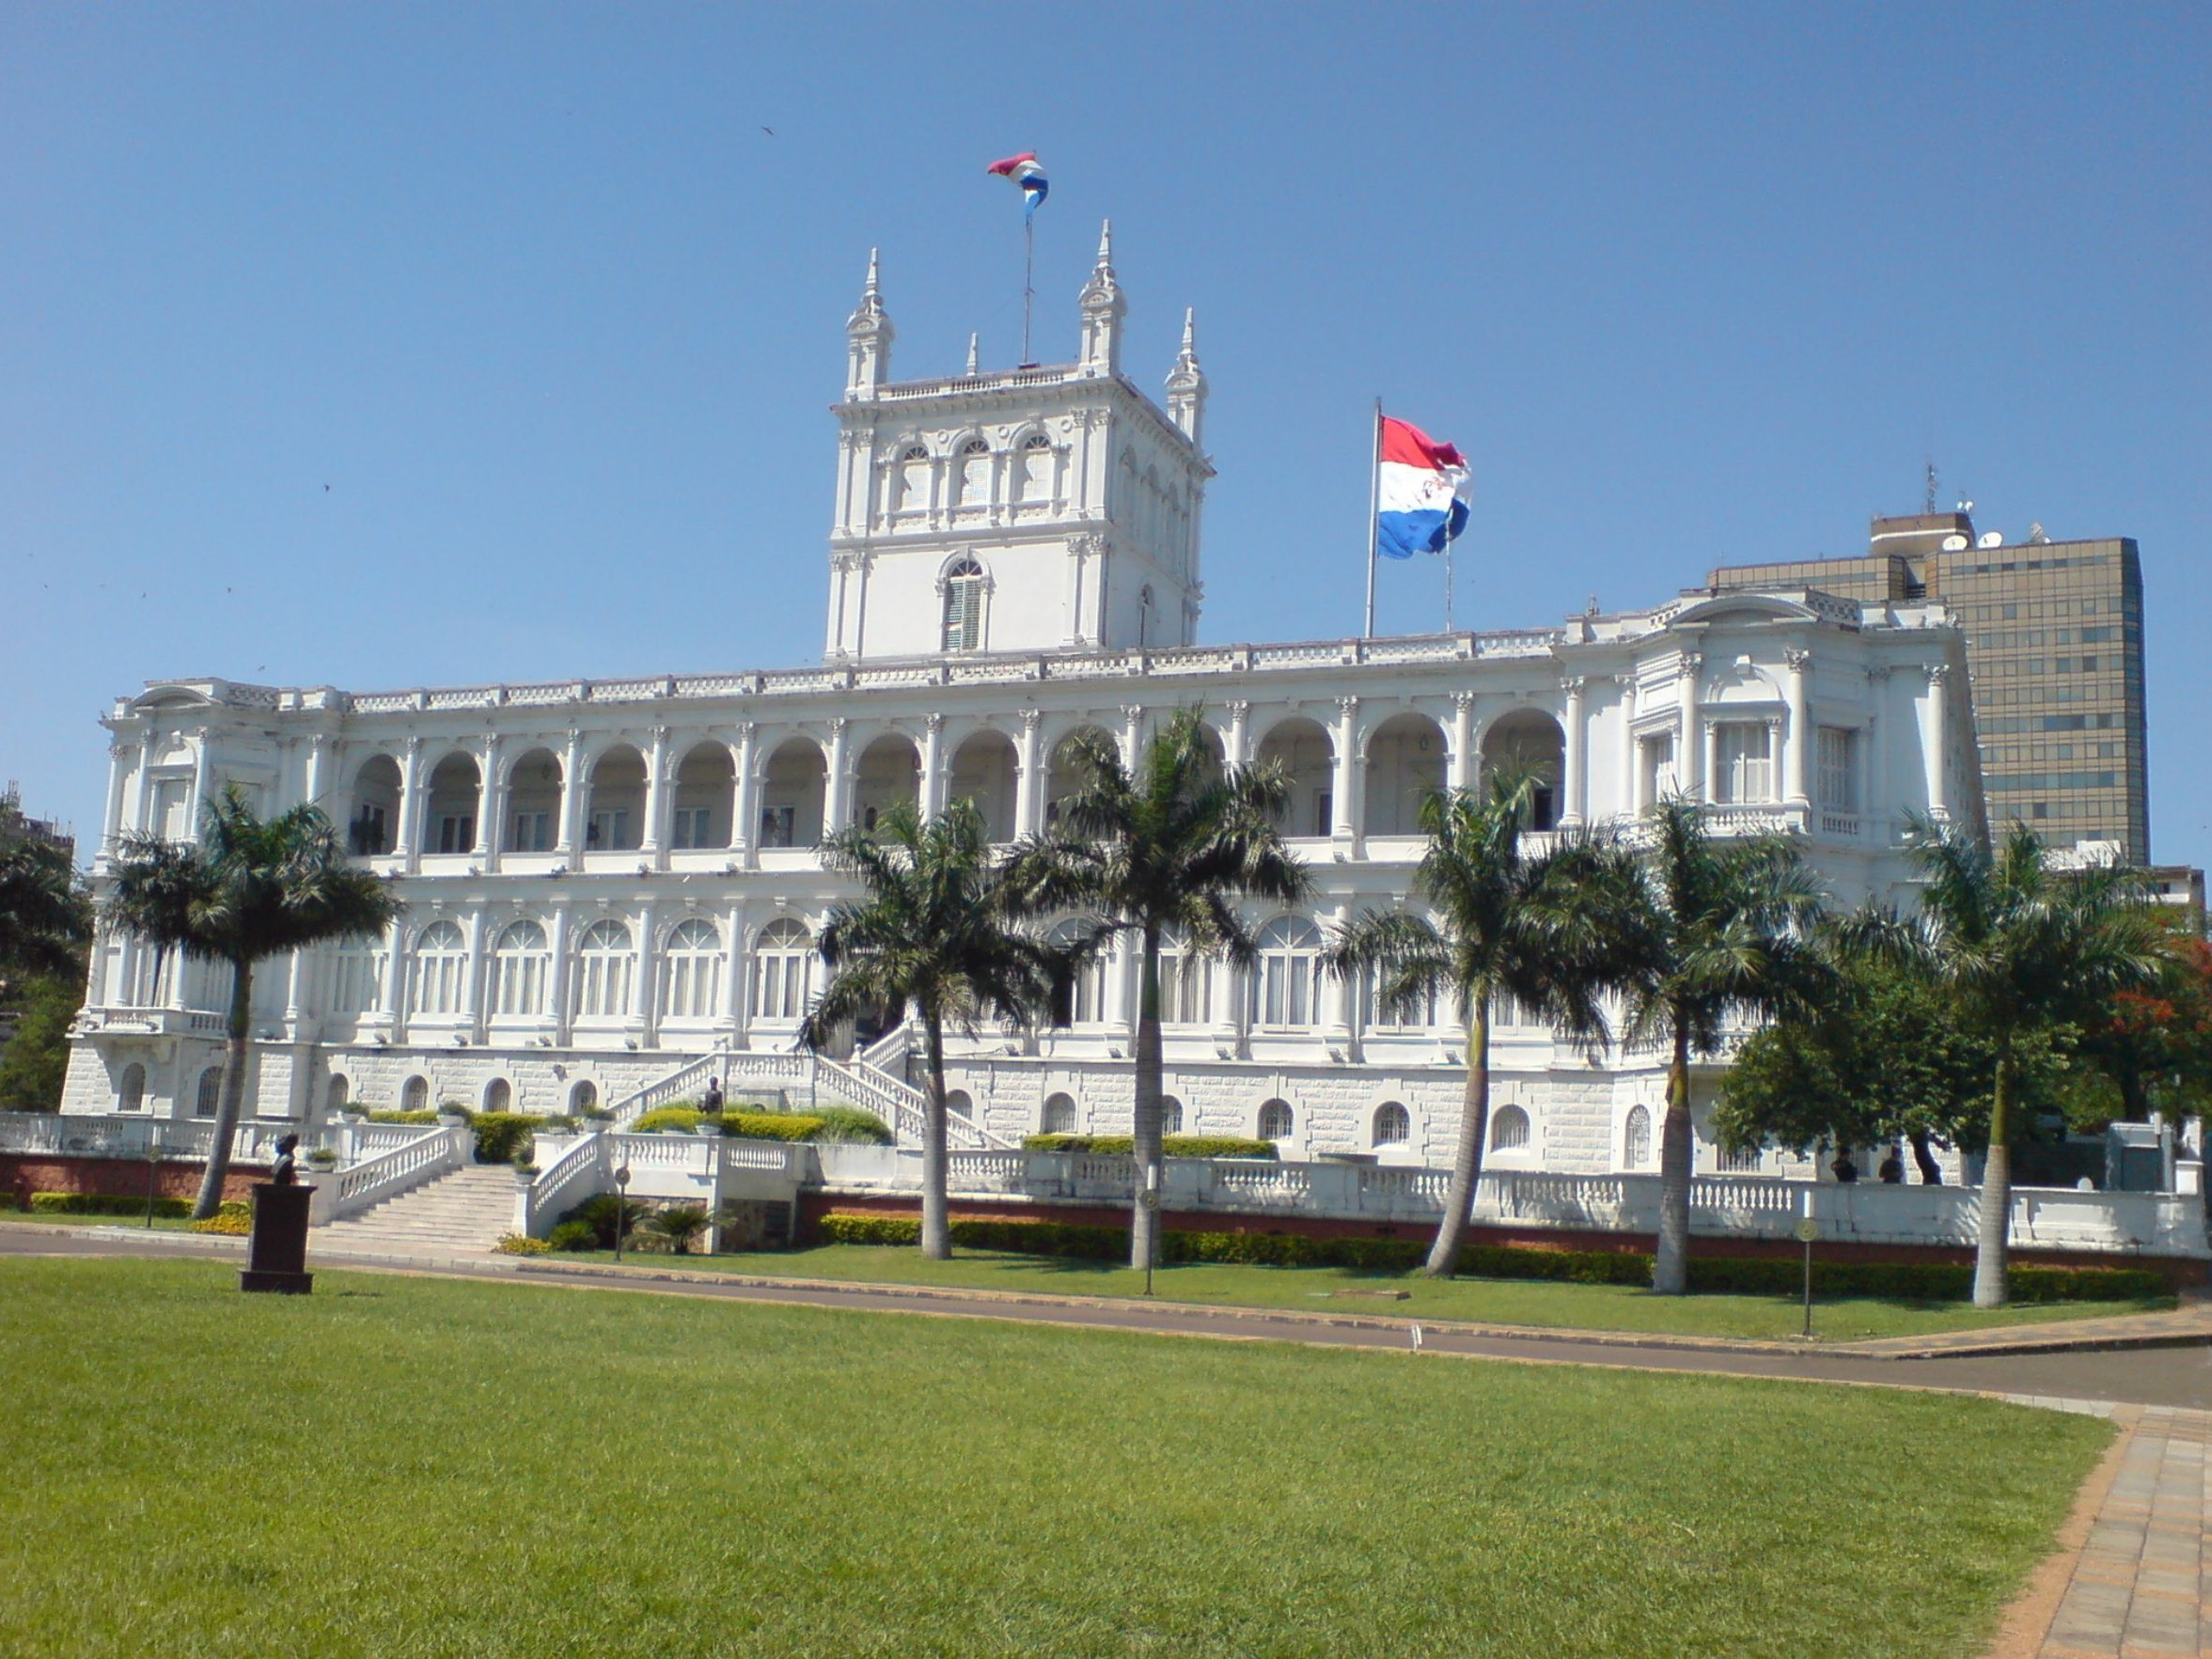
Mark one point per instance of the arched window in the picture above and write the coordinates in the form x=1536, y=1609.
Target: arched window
x=913, y=479
x=1636, y=1139
x=1277, y=1120
x=1058, y=1117
x=520, y=968
x=335, y=1094
x=1374, y=1016
x=963, y=606
x=974, y=479
x=131, y=1097
x=1033, y=479
x=1393, y=1124
x=357, y=978
x=691, y=972
x=416, y=1097
x=784, y=965
x=498, y=1096
x=960, y=1103
x=1082, y=1001
x=1286, y=983
x=209, y=1099
x=583, y=1096
x=1171, y=1114
x=1509, y=1130
x=441, y=970
x=606, y=962
x=1186, y=980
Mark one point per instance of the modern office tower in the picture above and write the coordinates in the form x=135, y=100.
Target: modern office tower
x=2054, y=650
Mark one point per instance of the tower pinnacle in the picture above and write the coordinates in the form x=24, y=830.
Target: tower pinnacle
x=1186, y=382
x=867, y=336
x=1104, y=307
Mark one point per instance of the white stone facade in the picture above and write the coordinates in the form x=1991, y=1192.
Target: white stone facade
x=603, y=880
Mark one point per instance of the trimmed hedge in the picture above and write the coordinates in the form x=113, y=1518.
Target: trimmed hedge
x=1171, y=1145
x=424, y=1116
x=106, y=1204
x=742, y=1125
x=1905, y=1281
x=851, y=1124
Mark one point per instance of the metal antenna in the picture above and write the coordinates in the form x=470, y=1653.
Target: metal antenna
x=1931, y=506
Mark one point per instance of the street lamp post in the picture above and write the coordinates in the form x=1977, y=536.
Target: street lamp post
x=622, y=1206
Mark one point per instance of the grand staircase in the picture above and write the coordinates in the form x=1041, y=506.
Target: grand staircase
x=464, y=1214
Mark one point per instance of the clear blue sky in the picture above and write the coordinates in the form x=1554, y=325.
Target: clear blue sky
x=379, y=346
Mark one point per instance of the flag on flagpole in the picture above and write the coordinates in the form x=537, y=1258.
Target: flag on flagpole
x=1024, y=171
x=1421, y=491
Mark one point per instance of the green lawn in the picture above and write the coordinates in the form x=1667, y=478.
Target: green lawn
x=413, y=1465
x=1517, y=1302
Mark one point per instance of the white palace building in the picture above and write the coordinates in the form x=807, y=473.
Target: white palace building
x=613, y=883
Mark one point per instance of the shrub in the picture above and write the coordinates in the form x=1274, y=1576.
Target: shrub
x=849, y=1124
x=105, y=1204
x=681, y=1224
x=520, y=1244
x=424, y=1116
x=504, y=1137
x=233, y=1216
x=775, y=1125
x=573, y=1235
x=598, y=1213
x=1172, y=1146
x=455, y=1109
x=1910, y=1281
x=322, y=1158
x=681, y=1118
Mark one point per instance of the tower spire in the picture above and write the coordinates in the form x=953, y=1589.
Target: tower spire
x=1186, y=382
x=1103, y=309
x=971, y=355
x=868, y=337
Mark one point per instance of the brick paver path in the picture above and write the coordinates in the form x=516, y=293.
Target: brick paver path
x=2138, y=1586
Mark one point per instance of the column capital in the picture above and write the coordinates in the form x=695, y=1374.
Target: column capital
x=1936, y=672
x=1799, y=659
x=933, y=721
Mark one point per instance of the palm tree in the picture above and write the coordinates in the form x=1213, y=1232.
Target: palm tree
x=1544, y=929
x=2021, y=950
x=250, y=888
x=1162, y=850
x=936, y=933
x=44, y=921
x=1727, y=934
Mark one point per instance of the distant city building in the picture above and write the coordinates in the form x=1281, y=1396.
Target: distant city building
x=15, y=825
x=2054, y=650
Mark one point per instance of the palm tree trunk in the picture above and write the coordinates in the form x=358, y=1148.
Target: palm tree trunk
x=1144, y=1225
x=1993, y=1242
x=233, y=1094
x=936, y=1222
x=1467, y=1157
x=1931, y=1171
x=1670, y=1272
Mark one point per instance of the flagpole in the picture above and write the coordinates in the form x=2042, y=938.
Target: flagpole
x=1028, y=276
x=1374, y=505
x=1449, y=540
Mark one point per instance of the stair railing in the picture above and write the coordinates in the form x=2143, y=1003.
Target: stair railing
x=427, y=1156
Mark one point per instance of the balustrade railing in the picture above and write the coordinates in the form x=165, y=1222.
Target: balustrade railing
x=424, y=1155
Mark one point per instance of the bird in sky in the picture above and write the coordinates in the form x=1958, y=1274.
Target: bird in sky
x=770, y=131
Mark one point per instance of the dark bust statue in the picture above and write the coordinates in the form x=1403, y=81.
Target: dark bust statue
x=286, y=1171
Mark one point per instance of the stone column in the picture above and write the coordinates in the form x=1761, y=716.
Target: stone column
x=492, y=811
x=1029, y=794
x=1348, y=809
x=932, y=764
x=119, y=761
x=142, y=786
x=1236, y=746
x=1877, y=774
x=1131, y=735
x=1797, y=747
x=556, y=937
x=1690, y=744
x=1336, y=999
x=395, y=985
x=472, y=984
x=575, y=793
x=659, y=800
x=1936, y=733
x=1462, y=775
x=745, y=811
x=641, y=997
x=1573, y=791
x=734, y=973
x=411, y=804
x=837, y=801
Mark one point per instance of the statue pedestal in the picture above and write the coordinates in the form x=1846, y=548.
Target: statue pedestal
x=277, y=1255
